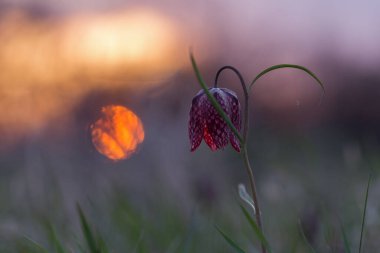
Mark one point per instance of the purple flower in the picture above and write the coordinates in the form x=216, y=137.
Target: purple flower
x=205, y=121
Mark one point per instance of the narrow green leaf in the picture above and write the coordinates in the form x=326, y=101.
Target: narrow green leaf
x=102, y=245
x=213, y=100
x=139, y=241
x=90, y=238
x=364, y=212
x=347, y=248
x=304, y=238
x=230, y=241
x=188, y=239
x=81, y=248
x=36, y=244
x=52, y=235
x=280, y=66
x=256, y=229
x=56, y=242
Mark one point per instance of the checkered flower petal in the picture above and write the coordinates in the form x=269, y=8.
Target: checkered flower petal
x=216, y=131
x=205, y=122
x=235, y=117
x=196, y=122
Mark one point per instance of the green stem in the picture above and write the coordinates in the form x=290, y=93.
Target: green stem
x=244, y=147
x=246, y=98
x=280, y=66
x=254, y=194
x=243, y=138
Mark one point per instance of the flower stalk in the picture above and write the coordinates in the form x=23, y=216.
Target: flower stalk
x=244, y=136
x=244, y=152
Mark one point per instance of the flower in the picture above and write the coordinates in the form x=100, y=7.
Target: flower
x=205, y=121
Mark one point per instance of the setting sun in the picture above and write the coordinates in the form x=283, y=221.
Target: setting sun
x=50, y=63
x=117, y=133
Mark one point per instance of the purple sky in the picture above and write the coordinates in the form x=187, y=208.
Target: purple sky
x=250, y=35
x=348, y=28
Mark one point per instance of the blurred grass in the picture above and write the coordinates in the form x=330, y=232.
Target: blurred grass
x=131, y=230
x=310, y=192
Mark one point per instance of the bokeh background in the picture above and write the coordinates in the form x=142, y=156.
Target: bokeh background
x=62, y=61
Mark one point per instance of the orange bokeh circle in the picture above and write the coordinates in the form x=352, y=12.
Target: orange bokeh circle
x=117, y=133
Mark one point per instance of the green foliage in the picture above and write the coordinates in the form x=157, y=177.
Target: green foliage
x=35, y=246
x=170, y=233
x=304, y=238
x=256, y=229
x=364, y=213
x=231, y=242
x=54, y=238
x=347, y=248
x=92, y=243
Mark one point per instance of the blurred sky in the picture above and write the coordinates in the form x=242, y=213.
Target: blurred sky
x=349, y=27
x=53, y=54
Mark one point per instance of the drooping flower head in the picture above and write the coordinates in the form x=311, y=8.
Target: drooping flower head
x=206, y=123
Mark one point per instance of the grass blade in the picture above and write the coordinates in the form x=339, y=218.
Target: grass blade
x=230, y=241
x=53, y=236
x=304, y=238
x=90, y=239
x=364, y=213
x=102, y=245
x=187, y=242
x=139, y=241
x=36, y=244
x=256, y=229
x=347, y=248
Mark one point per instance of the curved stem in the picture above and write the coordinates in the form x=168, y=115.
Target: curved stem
x=213, y=100
x=244, y=146
x=280, y=66
x=243, y=138
x=246, y=98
